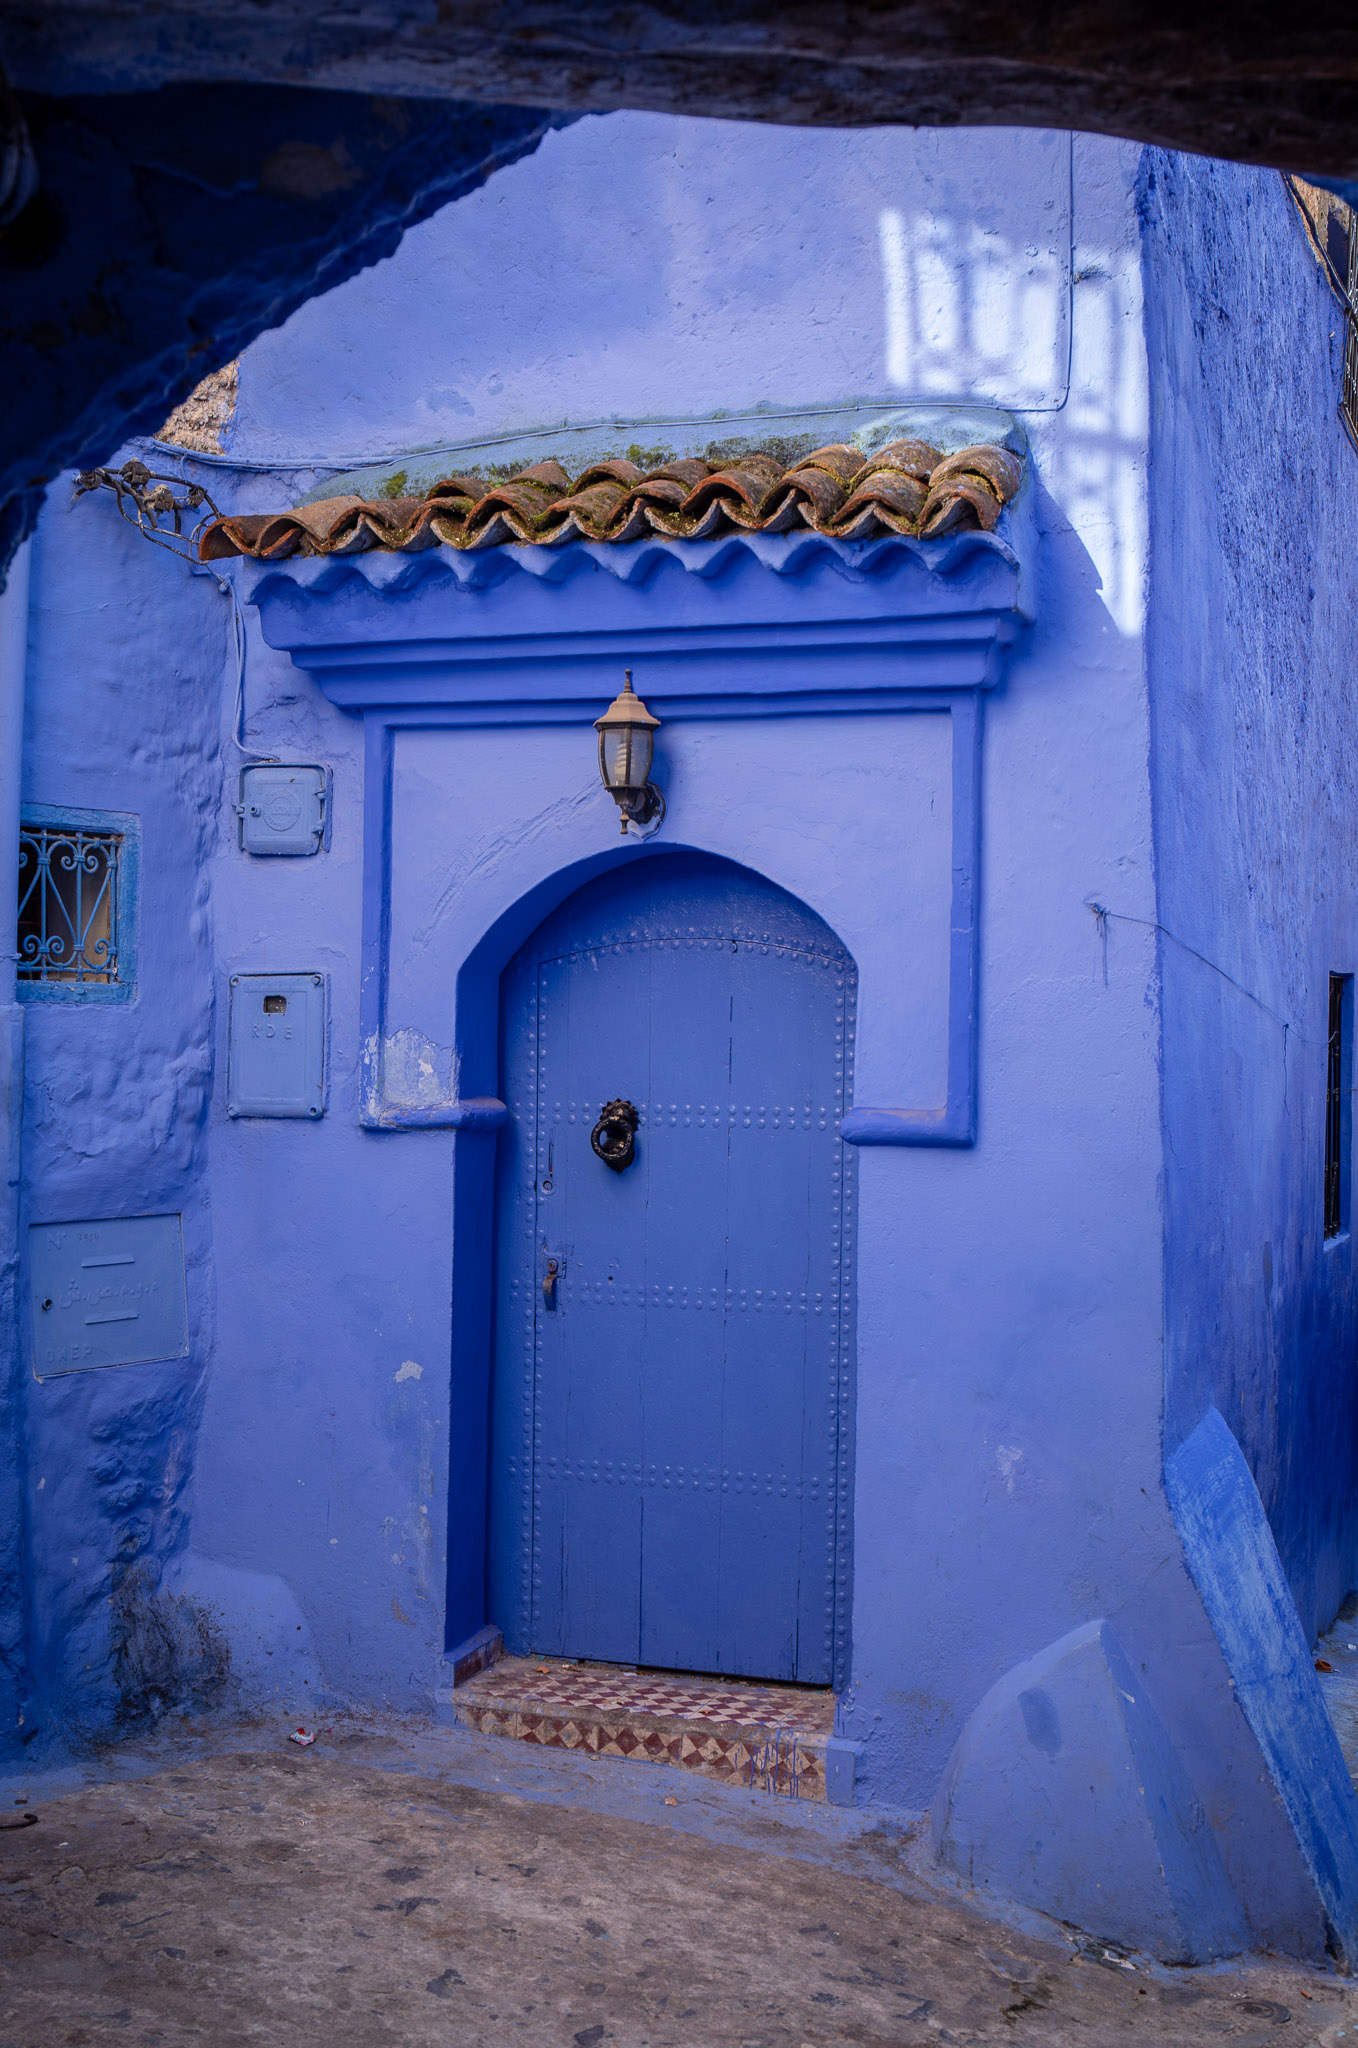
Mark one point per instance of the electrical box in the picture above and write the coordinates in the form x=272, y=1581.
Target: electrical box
x=276, y=1056
x=282, y=809
x=108, y=1292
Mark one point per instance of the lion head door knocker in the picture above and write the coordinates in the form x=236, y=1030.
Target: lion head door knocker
x=614, y=1137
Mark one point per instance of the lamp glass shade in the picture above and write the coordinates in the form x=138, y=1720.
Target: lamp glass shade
x=626, y=741
x=625, y=755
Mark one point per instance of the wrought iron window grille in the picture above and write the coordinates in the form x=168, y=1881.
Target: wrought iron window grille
x=68, y=899
x=1348, y=399
x=1338, y=257
x=1338, y=1105
x=76, y=929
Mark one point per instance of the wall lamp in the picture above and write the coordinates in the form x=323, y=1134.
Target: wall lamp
x=626, y=742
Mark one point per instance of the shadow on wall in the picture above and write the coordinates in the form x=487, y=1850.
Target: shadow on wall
x=1066, y=1792
x=201, y=211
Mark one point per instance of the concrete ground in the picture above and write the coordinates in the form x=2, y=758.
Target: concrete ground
x=392, y=1884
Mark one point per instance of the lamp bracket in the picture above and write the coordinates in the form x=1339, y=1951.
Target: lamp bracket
x=645, y=808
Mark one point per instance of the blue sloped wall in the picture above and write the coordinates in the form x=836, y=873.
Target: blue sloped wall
x=1254, y=520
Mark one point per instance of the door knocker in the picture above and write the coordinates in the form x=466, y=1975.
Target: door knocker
x=614, y=1137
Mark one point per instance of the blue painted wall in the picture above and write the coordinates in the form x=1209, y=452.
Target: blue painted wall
x=1255, y=798
x=290, y=1486
x=723, y=269
x=125, y=667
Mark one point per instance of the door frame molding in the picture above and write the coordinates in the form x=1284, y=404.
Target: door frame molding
x=745, y=628
x=759, y=628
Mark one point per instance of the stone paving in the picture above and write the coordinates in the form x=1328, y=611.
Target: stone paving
x=392, y=1885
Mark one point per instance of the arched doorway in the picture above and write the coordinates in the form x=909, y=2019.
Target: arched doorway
x=672, y=1404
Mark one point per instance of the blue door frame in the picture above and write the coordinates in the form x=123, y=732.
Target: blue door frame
x=672, y=1406
x=733, y=631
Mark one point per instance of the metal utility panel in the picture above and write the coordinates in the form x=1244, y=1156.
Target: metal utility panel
x=277, y=1052
x=282, y=809
x=108, y=1292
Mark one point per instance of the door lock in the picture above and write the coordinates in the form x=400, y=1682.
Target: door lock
x=549, y=1280
x=614, y=1136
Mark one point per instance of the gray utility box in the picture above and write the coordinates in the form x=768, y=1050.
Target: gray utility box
x=283, y=810
x=276, y=1056
x=107, y=1292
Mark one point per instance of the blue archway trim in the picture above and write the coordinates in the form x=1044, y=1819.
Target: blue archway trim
x=476, y=1118
x=951, y=1124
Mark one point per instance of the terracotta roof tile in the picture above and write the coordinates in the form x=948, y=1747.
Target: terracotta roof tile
x=906, y=488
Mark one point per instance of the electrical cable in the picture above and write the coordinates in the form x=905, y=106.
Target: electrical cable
x=1101, y=916
x=237, y=735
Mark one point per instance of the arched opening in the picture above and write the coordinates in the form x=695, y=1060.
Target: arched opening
x=672, y=1383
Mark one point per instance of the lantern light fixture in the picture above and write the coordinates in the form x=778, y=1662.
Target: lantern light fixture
x=626, y=741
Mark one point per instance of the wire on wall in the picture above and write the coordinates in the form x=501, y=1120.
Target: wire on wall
x=230, y=592
x=173, y=513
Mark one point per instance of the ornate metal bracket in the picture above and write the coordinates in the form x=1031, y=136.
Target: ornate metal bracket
x=147, y=498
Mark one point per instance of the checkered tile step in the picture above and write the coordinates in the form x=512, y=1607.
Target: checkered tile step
x=770, y=1737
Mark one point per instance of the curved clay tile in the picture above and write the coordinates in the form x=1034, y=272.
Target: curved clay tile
x=910, y=458
x=399, y=525
x=659, y=502
x=689, y=471
x=812, y=491
x=906, y=487
x=659, y=490
x=1001, y=470
x=591, y=509
x=456, y=490
x=521, y=507
x=310, y=528
x=894, y=498
x=737, y=491
x=616, y=470
x=549, y=474
x=269, y=536
x=646, y=507
x=959, y=501
x=498, y=528
x=841, y=460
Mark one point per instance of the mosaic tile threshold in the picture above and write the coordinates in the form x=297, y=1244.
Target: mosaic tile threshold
x=769, y=1737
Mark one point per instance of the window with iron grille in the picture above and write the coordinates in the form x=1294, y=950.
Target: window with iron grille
x=1333, y=230
x=1338, y=1105
x=77, y=876
x=1346, y=253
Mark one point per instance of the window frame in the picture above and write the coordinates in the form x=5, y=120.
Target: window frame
x=1338, y=1176
x=66, y=818
x=1348, y=376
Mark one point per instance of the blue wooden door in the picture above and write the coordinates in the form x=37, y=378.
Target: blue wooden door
x=670, y=1435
